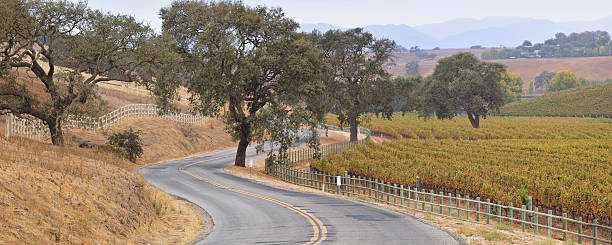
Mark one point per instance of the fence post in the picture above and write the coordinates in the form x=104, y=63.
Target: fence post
x=523, y=218
x=387, y=187
x=376, y=190
x=431, y=200
x=423, y=192
x=467, y=207
x=450, y=204
x=549, y=223
x=402, y=195
x=478, y=209
x=459, y=206
x=564, y=226
x=595, y=232
x=488, y=211
x=511, y=215
x=441, y=201
x=536, y=229
x=394, y=194
x=580, y=230
x=369, y=181
x=499, y=215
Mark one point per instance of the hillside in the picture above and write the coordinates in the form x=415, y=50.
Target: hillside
x=596, y=99
x=73, y=195
x=591, y=68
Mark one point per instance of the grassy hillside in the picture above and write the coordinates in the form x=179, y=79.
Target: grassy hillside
x=591, y=68
x=596, y=99
x=71, y=195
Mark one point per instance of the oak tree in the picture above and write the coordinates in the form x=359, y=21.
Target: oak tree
x=248, y=67
x=69, y=48
x=463, y=84
x=357, y=72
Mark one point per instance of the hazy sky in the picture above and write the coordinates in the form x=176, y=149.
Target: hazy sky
x=355, y=13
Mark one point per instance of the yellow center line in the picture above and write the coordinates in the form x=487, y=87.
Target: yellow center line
x=320, y=232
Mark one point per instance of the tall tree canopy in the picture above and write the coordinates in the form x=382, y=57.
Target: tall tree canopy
x=248, y=67
x=563, y=80
x=543, y=79
x=40, y=36
x=357, y=74
x=512, y=86
x=463, y=84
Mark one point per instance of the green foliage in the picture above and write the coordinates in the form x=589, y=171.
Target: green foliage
x=584, y=44
x=531, y=87
x=563, y=80
x=462, y=83
x=128, y=140
x=585, y=82
x=34, y=34
x=590, y=100
x=407, y=93
x=543, y=79
x=526, y=43
x=357, y=76
x=512, y=86
x=249, y=67
x=412, y=68
x=117, y=150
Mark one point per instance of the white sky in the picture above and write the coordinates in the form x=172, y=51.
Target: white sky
x=355, y=13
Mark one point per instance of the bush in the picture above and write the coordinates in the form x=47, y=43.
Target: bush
x=130, y=141
x=119, y=151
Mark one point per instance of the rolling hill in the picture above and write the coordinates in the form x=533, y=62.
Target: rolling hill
x=596, y=99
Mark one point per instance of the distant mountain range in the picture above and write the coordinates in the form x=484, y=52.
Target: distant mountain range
x=493, y=31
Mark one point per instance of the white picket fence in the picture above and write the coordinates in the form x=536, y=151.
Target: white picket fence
x=134, y=89
x=36, y=129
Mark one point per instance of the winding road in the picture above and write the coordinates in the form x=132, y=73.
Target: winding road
x=247, y=212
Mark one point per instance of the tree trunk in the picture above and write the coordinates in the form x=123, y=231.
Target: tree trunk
x=354, y=124
x=55, y=128
x=474, y=119
x=245, y=140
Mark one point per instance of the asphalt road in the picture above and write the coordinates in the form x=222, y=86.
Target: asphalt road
x=247, y=212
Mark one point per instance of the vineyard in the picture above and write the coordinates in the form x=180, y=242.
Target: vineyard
x=411, y=126
x=596, y=99
x=574, y=174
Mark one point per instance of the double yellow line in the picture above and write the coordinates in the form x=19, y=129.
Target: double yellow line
x=320, y=232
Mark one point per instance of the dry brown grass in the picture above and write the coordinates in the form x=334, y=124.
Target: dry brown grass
x=591, y=68
x=79, y=196
x=70, y=195
x=164, y=140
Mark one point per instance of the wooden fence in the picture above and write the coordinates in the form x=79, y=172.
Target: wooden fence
x=525, y=217
x=36, y=129
x=134, y=89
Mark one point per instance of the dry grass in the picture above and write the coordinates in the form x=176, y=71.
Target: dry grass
x=163, y=139
x=591, y=68
x=78, y=196
x=70, y=195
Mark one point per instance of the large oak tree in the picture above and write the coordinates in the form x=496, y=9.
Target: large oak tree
x=59, y=41
x=463, y=84
x=247, y=66
x=357, y=76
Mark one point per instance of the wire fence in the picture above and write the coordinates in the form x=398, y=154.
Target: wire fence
x=526, y=216
x=37, y=129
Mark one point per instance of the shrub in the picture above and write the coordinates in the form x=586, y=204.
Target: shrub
x=128, y=140
x=119, y=151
